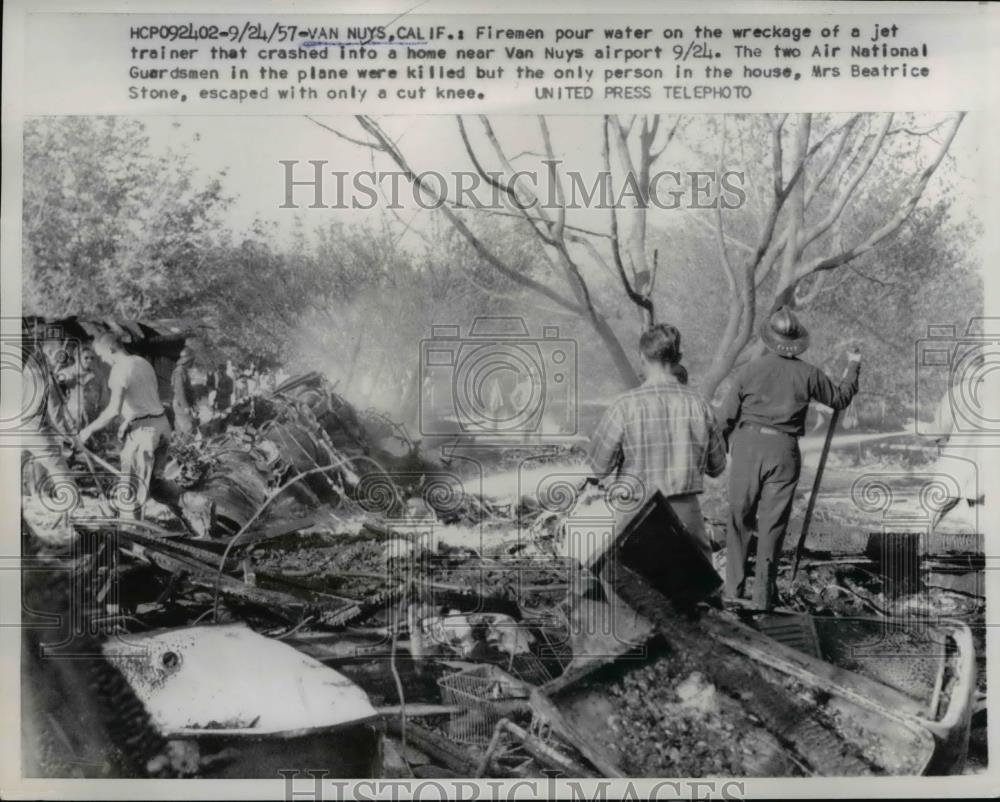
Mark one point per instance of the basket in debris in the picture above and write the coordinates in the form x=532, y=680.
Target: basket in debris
x=483, y=695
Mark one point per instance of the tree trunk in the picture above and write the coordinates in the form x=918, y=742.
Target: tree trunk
x=617, y=353
x=718, y=371
x=743, y=308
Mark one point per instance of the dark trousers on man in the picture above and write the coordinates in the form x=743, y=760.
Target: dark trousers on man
x=764, y=470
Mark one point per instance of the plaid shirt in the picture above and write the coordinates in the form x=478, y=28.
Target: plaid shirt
x=663, y=433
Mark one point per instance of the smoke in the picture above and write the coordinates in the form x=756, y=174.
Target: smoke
x=368, y=349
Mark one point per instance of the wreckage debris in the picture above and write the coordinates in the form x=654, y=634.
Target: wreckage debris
x=480, y=656
x=483, y=695
x=687, y=708
x=262, y=442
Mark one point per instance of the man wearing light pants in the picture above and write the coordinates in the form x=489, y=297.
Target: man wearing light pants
x=145, y=430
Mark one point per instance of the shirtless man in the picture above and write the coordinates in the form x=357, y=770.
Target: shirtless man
x=145, y=430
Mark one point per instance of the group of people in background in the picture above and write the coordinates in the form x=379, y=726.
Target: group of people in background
x=224, y=385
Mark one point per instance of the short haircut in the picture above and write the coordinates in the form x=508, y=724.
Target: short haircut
x=108, y=340
x=661, y=343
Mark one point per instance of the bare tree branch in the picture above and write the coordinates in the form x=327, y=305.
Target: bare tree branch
x=727, y=266
x=507, y=187
x=505, y=162
x=376, y=132
x=777, y=157
x=810, y=296
x=555, y=233
x=490, y=178
x=780, y=192
x=914, y=132
x=670, y=138
x=555, y=178
x=710, y=229
x=636, y=298
x=812, y=190
x=893, y=224
x=823, y=225
x=569, y=227
x=595, y=254
x=345, y=137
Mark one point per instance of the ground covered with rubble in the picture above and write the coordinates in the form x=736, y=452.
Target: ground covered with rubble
x=448, y=593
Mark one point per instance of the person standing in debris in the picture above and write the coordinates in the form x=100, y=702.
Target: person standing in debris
x=527, y=389
x=266, y=384
x=183, y=393
x=663, y=433
x=239, y=387
x=252, y=379
x=60, y=359
x=763, y=416
x=85, y=387
x=495, y=405
x=42, y=461
x=145, y=430
x=221, y=384
x=244, y=387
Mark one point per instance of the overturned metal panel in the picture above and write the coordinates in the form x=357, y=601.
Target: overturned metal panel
x=229, y=680
x=656, y=544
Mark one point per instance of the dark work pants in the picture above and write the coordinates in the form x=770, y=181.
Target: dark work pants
x=764, y=470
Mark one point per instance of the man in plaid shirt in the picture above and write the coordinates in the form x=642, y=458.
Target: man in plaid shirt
x=663, y=433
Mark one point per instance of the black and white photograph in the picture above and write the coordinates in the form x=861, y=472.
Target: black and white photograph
x=430, y=446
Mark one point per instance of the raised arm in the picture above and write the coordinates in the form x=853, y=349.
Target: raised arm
x=823, y=389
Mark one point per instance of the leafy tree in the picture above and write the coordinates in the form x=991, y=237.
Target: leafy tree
x=109, y=228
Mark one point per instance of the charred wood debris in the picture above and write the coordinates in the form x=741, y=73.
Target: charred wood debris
x=470, y=629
